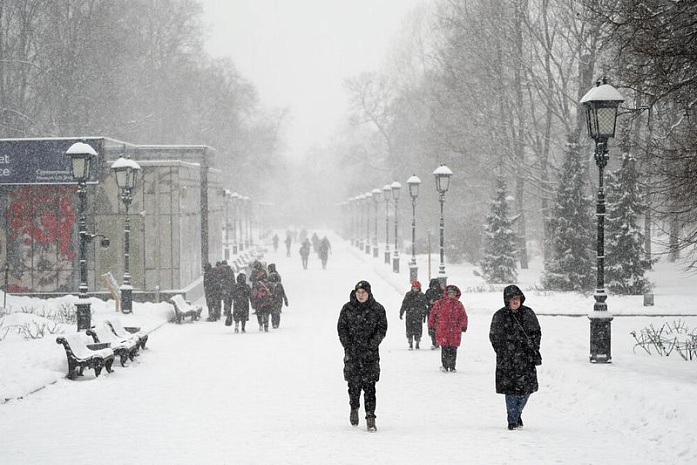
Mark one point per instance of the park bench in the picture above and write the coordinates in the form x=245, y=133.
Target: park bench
x=124, y=348
x=82, y=355
x=128, y=332
x=183, y=309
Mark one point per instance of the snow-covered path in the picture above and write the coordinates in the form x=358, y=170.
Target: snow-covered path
x=203, y=394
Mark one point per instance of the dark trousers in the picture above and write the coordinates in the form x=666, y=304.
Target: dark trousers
x=354, y=391
x=448, y=356
x=276, y=319
x=514, y=406
x=227, y=304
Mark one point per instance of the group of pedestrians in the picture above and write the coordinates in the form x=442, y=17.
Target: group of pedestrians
x=322, y=247
x=264, y=294
x=514, y=334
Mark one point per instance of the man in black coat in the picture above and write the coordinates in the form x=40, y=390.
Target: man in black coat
x=515, y=336
x=362, y=327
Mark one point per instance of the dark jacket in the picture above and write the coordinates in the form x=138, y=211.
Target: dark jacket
x=227, y=279
x=416, y=308
x=240, y=298
x=515, y=367
x=361, y=328
x=278, y=293
x=433, y=294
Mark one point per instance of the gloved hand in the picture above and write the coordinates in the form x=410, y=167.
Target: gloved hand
x=400, y=317
x=464, y=330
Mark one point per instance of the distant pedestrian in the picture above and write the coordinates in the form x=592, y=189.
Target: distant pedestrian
x=278, y=298
x=241, y=294
x=433, y=294
x=275, y=240
x=449, y=319
x=227, y=282
x=515, y=335
x=325, y=249
x=362, y=326
x=415, y=307
x=208, y=289
x=288, y=242
x=305, y=252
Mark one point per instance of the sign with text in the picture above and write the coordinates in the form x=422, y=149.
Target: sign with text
x=40, y=161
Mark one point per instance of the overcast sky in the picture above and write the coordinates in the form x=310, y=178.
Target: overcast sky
x=298, y=52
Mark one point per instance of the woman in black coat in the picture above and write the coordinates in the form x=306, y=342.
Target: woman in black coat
x=515, y=336
x=362, y=326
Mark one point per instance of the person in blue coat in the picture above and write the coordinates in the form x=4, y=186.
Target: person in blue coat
x=362, y=326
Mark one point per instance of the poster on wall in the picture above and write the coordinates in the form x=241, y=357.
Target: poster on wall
x=40, y=161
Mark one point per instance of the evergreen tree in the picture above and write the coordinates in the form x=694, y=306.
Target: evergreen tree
x=625, y=261
x=571, y=267
x=499, y=262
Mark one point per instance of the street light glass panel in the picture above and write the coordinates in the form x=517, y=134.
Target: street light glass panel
x=413, y=183
x=600, y=104
x=377, y=195
x=81, y=156
x=442, y=175
x=396, y=189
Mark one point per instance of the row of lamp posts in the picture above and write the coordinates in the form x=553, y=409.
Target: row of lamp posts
x=241, y=221
x=391, y=192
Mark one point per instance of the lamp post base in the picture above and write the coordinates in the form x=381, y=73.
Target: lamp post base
x=413, y=272
x=367, y=248
x=443, y=280
x=600, y=337
x=387, y=256
x=84, y=316
x=126, y=299
x=395, y=264
x=376, y=251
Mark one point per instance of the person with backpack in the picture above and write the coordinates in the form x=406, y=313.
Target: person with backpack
x=433, y=295
x=241, y=294
x=278, y=297
x=362, y=326
x=449, y=319
x=262, y=301
x=414, y=305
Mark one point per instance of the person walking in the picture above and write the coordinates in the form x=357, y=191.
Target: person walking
x=208, y=289
x=433, y=295
x=449, y=320
x=414, y=305
x=324, y=249
x=305, y=252
x=515, y=335
x=278, y=298
x=288, y=241
x=362, y=326
x=241, y=294
x=227, y=282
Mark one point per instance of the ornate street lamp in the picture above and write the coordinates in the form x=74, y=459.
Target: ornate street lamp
x=442, y=175
x=387, y=194
x=396, y=188
x=413, y=183
x=600, y=105
x=126, y=172
x=81, y=156
x=360, y=201
x=377, y=196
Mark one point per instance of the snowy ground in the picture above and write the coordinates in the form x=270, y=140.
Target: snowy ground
x=203, y=394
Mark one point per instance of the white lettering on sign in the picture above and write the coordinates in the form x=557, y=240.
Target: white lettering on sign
x=4, y=159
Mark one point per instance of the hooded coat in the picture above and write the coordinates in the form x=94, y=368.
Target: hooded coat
x=416, y=308
x=449, y=318
x=241, y=293
x=516, y=372
x=361, y=328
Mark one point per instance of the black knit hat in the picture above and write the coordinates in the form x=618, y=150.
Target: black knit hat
x=365, y=285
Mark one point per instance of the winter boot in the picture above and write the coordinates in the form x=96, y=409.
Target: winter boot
x=417, y=344
x=370, y=422
x=237, y=326
x=353, y=418
x=411, y=347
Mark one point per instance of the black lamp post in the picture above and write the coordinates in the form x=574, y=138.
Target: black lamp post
x=442, y=175
x=81, y=156
x=126, y=171
x=227, y=199
x=413, y=183
x=377, y=195
x=359, y=214
x=396, y=188
x=600, y=105
x=387, y=193
x=367, y=199
x=235, y=200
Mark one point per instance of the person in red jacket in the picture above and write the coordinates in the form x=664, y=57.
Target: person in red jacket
x=449, y=320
